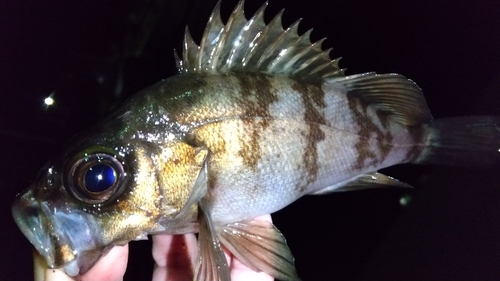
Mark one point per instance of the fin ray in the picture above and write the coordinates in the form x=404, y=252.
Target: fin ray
x=365, y=181
x=212, y=264
x=469, y=141
x=260, y=246
x=253, y=46
x=200, y=186
x=233, y=32
x=397, y=96
x=210, y=39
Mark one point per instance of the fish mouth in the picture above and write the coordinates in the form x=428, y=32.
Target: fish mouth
x=61, y=237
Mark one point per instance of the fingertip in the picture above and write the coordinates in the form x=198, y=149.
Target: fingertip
x=43, y=273
x=110, y=267
x=174, y=256
x=174, y=245
x=264, y=218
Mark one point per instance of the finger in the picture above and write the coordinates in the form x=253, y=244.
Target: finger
x=241, y=272
x=56, y=274
x=111, y=267
x=264, y=218
x=175, y=256
x=43, y=273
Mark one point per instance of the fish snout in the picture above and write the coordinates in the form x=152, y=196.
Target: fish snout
x=50, y=242
x=49, y=231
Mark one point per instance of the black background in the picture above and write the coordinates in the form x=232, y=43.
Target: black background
x=91, y=55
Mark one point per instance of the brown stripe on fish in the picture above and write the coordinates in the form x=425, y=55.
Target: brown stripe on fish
x=257, y=95
x=367, y=127
x=383, y=118
x=384, y=139
x=313, y=97
x=250, y=152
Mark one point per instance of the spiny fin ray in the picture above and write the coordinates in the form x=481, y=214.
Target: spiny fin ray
x=253, y=46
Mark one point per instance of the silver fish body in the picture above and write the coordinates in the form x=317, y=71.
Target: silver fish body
x=257, y=118
x=270, y=135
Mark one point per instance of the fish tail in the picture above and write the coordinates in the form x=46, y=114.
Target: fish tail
x=462, y=141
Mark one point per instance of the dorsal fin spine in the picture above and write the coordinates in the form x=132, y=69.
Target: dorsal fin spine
x=301, y=63
x=296, y=51
x=309, y=64
x=190, y=51
x=228, y=35
x=214, y=26
x=279, y=49
x=266, y=35
x=253, y=46
x=256, y=20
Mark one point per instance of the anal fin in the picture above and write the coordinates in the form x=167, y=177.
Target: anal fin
x=365, y=181
x=260, y=246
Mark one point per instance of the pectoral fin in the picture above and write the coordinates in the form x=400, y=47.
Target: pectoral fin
x=212, y=264
x=260, y=246
x=200, y=186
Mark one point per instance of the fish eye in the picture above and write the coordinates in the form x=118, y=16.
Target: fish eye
x=99, y=178
x=95, y=178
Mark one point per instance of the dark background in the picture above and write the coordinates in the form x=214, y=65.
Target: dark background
x=91, y=55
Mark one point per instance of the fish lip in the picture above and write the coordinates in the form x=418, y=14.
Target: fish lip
x=61, y=233
x=35, y=223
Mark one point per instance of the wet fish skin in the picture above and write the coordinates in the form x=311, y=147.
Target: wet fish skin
x=240, y=132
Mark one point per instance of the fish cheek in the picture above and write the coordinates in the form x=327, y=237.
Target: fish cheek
x=164, y=180
x=177, y=167
x=136, y=210
x=159, y=185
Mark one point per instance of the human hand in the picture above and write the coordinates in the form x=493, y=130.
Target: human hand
x=175, y=257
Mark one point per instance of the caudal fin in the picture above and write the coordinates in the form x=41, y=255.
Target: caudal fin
x=463, y=141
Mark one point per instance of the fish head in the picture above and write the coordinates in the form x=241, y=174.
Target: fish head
x=103, y=191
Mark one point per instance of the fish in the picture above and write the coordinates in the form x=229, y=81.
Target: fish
x=257, y=117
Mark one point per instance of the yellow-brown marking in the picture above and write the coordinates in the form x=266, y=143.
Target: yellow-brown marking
x=257, y=95
x=312, y=97
x=366, y=128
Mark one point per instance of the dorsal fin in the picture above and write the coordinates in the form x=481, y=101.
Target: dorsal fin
x=395, y=95
x=253, y=46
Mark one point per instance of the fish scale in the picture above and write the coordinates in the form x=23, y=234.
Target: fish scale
x=258, y=117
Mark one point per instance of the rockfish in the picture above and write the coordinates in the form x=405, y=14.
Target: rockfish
x=257, y=117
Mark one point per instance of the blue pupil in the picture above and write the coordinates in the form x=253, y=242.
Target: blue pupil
x=99, y=178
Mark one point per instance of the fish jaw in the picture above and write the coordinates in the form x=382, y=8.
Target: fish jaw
x=74, y=246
